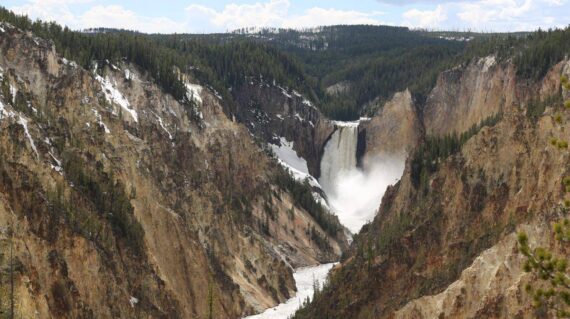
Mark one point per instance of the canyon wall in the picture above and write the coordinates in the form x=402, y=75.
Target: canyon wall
x=445, y=246
x=120, y=201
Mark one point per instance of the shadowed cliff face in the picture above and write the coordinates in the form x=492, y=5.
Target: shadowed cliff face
x=271, y=112
x=121, y=201
x=446, y=247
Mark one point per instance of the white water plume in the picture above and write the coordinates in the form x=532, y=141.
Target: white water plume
x=354, y=193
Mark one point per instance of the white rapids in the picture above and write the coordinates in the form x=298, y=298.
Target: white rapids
x=305, y=278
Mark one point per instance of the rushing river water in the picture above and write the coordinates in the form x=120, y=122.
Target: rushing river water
x=304, y=279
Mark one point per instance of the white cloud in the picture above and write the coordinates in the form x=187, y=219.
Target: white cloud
x=50, y=10
x=487, y=10
x=425, y=18
x=508, y=15
x=235, y=16
x=480, y=15
x=111, y=16
x=114, y=16
x=319, y=16
x=275, y=13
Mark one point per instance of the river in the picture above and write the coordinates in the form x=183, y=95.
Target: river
x=304, y=279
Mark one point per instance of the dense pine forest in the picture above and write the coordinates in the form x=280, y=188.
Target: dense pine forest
x=373, y=62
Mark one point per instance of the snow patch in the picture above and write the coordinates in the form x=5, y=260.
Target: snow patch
x=285, y=92
x=69, y=63
x=299, y=117
x=13, y=93
x=286, y=153
x=58, y=167
x=129, y=75
x=296, y=165
x=3, y=112
x=133, y=301
x=216, y=93
x=193, y=92
x=24, y=123
x=113, y=95
x=163, y=127
x=100, y=121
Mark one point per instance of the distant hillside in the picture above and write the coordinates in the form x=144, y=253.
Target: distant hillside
x=369, y=63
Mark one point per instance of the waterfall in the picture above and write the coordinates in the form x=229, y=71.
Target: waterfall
x=339, y=155
x=354, y=193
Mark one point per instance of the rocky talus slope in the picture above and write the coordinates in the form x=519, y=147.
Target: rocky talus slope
x=445, y=246
x=119, y=201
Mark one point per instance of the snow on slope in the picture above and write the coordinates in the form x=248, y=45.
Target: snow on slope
x=297, y=165
x=193, y=92
x=113, y=95
x=24, y=123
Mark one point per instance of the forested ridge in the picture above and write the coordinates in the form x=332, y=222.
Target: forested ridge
x=375, y=61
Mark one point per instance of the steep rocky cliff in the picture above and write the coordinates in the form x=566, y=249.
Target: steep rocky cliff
x=445, y=247
x=271, y=112
x=466, y=95
x=394, y=131
x=119, y=201
x=462, y=97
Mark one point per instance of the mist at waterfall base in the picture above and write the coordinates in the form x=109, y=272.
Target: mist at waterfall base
x=355, y=194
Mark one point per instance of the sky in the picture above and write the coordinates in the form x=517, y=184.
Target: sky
x=207, y=16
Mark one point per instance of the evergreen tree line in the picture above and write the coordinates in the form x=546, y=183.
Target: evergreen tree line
x=437, y=148
x=220, y=66
x=377, y=60
x=303, y=197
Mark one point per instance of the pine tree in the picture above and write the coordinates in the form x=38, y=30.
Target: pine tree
x=552, y=271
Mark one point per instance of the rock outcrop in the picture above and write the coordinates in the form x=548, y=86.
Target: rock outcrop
x=394, y=131
x=467, y=95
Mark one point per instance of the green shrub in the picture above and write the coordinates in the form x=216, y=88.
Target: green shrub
x=109, y=198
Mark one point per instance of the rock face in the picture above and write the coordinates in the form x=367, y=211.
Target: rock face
x=271, y=112
x=491, y=286
x=446, y=248
x=465, y=96
x=339, y=88
x=394, y=131
x=119, y=201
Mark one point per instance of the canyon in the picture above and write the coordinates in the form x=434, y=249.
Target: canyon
x=120, y=198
